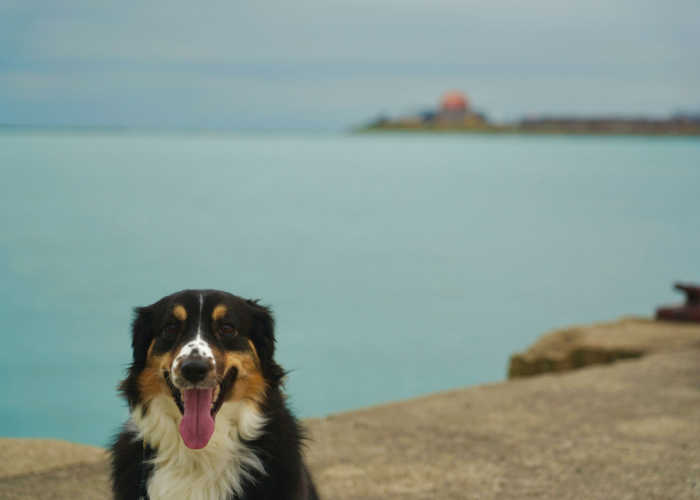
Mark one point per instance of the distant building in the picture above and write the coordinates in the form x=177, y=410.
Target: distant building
x=454, y=101
x=455, y=110
x=687, y=117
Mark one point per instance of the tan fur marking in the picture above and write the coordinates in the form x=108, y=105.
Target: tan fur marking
x=255, y=351
x=249, y=383
x=150, y=348
x=180, y=312
x=219, y=312
x=151, y=381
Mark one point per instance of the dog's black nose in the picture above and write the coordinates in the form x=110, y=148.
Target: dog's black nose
x=194, y=369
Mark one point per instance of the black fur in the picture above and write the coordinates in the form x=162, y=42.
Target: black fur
x=279, y=446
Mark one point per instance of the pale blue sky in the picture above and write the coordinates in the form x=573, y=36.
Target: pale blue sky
x=332, y=64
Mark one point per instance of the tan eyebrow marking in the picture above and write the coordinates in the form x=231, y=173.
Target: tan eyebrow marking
x=180, y=312
x=219, y=312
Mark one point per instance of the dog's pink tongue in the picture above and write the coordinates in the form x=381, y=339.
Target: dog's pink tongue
x=197, y=424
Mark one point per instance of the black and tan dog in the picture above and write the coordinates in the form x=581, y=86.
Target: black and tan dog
x=208, y=418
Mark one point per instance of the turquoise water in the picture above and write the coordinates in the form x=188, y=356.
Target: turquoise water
x=396, y=264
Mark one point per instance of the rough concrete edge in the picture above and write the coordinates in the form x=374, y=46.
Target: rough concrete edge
x=568, y=348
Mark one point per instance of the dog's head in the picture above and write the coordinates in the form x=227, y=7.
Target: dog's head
x=203, y=349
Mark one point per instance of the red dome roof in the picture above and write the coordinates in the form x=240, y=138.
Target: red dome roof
x=454, y=100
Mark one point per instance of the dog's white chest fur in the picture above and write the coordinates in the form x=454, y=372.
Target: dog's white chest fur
x=213, y=473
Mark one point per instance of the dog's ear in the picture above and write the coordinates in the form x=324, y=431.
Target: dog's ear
x=262, y=331
x=141, y=335
x=263, y=336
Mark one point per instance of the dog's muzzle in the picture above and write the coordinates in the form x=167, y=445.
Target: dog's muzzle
x=195, y=370
x=195, y=391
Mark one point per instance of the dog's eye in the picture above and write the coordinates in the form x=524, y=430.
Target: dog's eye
x=170, y=329
x=227, y=329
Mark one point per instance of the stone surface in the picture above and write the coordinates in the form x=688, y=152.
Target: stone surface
x=602, y=343
x=26, y=456
x=52, y=469
x=624, y=431
x=87, y=481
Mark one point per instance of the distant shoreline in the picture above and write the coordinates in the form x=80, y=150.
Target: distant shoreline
x=692, y=130
x=63, y=128
x=456, y=114
x=369, y=129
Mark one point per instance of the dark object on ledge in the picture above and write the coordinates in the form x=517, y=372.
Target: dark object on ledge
x=690, y=311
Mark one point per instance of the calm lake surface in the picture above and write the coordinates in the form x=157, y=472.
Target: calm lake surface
x=397, y=265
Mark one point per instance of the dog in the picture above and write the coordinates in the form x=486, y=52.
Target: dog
x=208, y=418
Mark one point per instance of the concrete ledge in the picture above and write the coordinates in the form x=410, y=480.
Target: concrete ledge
x=579, y=346
x=623, y=431
x=31, y=456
